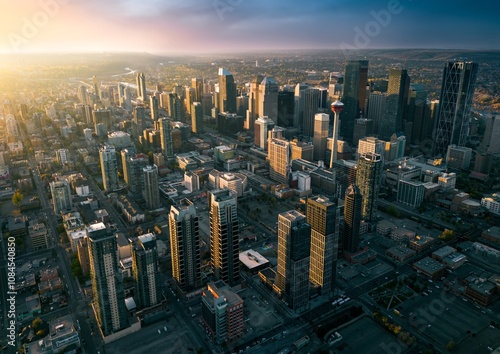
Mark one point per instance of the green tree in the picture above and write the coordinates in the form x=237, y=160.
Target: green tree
x=17, y=198
x=37, y=322
x=447, y=235
x=451, y=346
x=76, y=268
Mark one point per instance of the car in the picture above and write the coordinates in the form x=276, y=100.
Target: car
x=159, y=332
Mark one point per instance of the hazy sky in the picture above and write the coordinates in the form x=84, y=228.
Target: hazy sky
x=197, y=26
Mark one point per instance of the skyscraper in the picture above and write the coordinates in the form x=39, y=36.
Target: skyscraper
x=253, y=102
x=185, y=245
x=457, y=91
x=286, y=106
x=61, y=196
x=312, y=98
x=320, y=134
x=323, y=216
x=227, y=92
x=224, y=237
x=153, y=105
x=107, y=287
x=268, y=99
x=197, y=84
x=395, y=104
x=352, y=218
x=261, y=131
x=353, y=96
x=140, y=81
x=294, y=247
x=491, y=140
x=167, y=146
x=109, y=167
x=368, y=179
x=279, y=158
x=151, y=192
x=298, y=114
x=145, y=271
x=132, y=172
x=196, y=118
x=376, y=109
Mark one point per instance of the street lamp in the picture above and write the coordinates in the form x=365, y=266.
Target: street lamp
x=337, y=107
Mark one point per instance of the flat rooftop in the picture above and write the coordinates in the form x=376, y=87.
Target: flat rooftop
x=252, y=259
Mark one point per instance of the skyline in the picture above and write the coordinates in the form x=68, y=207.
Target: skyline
x=165, y=27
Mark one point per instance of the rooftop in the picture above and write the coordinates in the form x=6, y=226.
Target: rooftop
x=252, y=259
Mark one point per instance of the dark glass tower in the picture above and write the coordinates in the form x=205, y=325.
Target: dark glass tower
x=227, y=92
x=352, y=218
x=353, y=96
x=395, y=103
x=457, y=91
x=368, y=177
x=145, y=270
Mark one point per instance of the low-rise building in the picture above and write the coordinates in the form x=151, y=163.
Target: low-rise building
x=491, y=235
x=429, y=267
x=420, y=243
x=400, y=253
x=479, y=289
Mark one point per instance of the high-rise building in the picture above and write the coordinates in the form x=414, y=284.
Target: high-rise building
x=294, y=247
x=133, y=173
x=107, y=286
x=227, y=92
x=185, y=245
x=312, y=98
x=363, y=127
x=268, y=99
x=167, y=146
x=491, y=140
x=253, y=102
x=368, y=178
x=353, y=96
x=352, y=218
x=62, y=156
x=153, y=106
x=301, y=150
x=222, y=312
x=103, y=116
x=146, y=271
x=371, y=144
x=139, y=121
x=140, y=81
x=298, y=114
x=262, y=127
x=395, y=103
x=279, y=158
x=324, y=217
x=190, y=94
x=109, y=167
x=455, y=102
x=197, y=84
x=196, y=118
x=286, y=107
x=410, y=192
x=345, y=175
x=151, y=192
x=224, y=236
x=320, y=134
x=229, y=123
x=376, y=109
x=458, y=157
x=61, y=196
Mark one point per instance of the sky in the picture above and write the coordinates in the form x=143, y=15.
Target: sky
x=218, y=26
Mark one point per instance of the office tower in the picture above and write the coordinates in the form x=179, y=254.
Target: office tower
x=102, y=116
x=458, y=157
x=352, y=218
x=410, y=192
x=419, y=114
x=133, y=173
x=82, y=94
x=483, y=163
x=224, y=237
x=311, y=107
x=371, y=144
x=324, y=217
x=61, y=196
x=368, y=179
x=109, y=167
x=95, y=84
x=268, y=99
x=253, y=102
x=190, y=94
x=345, y=175
x=174, y=107
x=242, y=107
x=294, y=247
x=227, y=92
x=141, y=86
x=151, y=192
x=455, y=102
x=166, y=137
x=320, y=134
x=139, y=120
x=229, y=123
x=107, y=287
x=127, y=153
x=146, y=271
x=353, y=96
x=185, y=245
x=207, y=102
x=491, y=140
x=153, y=105
x=262, y=127
x=197, y=118
x=335, y=87
x=286, y=107
x=363, y=127
x=395, y=103
x=376, y=109
x=298, y=115
x=222, y=312
x=197, y=84
x=278, y=154
x=301, y=150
